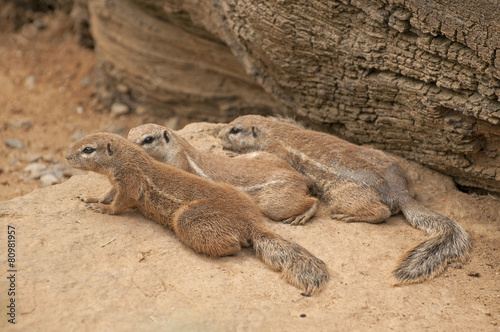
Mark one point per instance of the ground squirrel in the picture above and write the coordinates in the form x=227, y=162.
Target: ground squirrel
x=213, y=218
x=359, y=184
x=279, y=191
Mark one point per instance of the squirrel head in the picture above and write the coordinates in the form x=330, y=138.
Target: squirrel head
x=159, y=142
x=98, y=152
x=244, y=134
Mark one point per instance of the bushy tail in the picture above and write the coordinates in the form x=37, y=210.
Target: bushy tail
x=297, y=265
x=448, y=241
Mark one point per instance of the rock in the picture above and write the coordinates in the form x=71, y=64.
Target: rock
x=118, y=109
x=48, y=158
x=25, y=123
x=48, y=180
x=35, y=170
x=57, y=173
x=32, y=157
x=13, y=143
x=85, y=82
x=40, y=23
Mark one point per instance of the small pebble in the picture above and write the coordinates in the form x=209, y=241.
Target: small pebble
x=35, y=170
x=25, y=124
x=48, y=180
x=303, y=315
x=85, y=82
x=48, y=158
x=13, y=143
x=39, y=23
x=32, y=157
x=118, y=109
x=58, y=174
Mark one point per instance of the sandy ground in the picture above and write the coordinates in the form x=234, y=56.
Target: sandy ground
x=82, y=271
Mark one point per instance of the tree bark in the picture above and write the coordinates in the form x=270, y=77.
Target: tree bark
x=418, y=78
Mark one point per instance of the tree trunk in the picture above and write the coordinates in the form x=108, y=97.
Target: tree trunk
x=418, y=78
x=169, y=66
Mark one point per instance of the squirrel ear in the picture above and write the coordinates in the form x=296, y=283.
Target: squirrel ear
x=165, y=136
x=255, y=131
x=110, y=152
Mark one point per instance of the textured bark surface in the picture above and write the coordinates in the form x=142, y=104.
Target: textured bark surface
x=417, y=78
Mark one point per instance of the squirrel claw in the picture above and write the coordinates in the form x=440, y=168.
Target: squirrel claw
x=295, y=220
x=343, y=217
x=87, y=199
x=299, y=221
x=290, y=220
x=96, y=208
x=231, y=154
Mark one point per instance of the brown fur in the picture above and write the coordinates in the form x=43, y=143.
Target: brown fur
x=359, y=184
x=212, y=218
x=279, y=190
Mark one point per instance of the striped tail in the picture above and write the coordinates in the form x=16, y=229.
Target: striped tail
x=448, y=241
x=297, y=265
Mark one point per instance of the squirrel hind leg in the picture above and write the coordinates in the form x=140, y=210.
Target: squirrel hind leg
x=301, y=219
x=373, y=212
x=378, y=215
x=349, y=202
x=207, y=230
x=290, y=207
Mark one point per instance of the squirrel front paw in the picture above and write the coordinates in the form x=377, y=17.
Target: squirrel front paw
x=87, y=199
x=98, y=207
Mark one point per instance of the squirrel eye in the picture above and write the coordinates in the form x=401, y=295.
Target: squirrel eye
x=88, y=150
x=234, y=130
x=148, y=140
